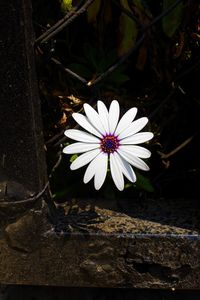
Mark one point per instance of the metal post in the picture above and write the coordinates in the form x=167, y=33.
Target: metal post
x=22, y=163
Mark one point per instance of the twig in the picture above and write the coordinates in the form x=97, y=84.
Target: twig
x=117, y=64
x=52, y=28
x=31, y=199
x=76, y=12
x=56, y=164
x=163, y=14
x=56, y=136
x=181, y=146
x=73, y=14
x=196, y=65
x=75, y=75
x=128, y=13
x=63, y=68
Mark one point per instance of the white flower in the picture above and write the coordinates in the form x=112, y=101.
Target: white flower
x=109, y=141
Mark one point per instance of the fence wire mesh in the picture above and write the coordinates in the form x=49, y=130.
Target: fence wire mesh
x=79, y=9
x=164, y=98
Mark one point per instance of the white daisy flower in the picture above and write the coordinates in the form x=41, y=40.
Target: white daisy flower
x=109, y=141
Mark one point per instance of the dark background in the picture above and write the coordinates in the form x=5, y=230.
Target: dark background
x=43, y=293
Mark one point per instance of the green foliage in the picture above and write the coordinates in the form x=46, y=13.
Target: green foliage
x=65, y=144
x=138, y=4
x=118, y=76
x=95, y=61
x=127, y=31
x=142, y=183
x=172, y=21
x=66, y=5
x=73, y=157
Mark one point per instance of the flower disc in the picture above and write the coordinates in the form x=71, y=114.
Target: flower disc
x=109, y=143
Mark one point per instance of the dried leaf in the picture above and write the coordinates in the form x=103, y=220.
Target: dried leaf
x=127, y=31
x=108, y=12
x=172, y=21
x=62, y=121
x=75, y=100
x=142, y=58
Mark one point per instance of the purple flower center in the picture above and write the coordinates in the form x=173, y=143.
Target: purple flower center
x=109, y=143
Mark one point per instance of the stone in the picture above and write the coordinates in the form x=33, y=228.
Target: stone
x=110, y=249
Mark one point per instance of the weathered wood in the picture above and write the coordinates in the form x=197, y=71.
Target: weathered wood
x=22, y=167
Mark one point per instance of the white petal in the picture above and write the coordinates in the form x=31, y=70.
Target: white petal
x=79, y=148
x=126, y=120
x=94, y=118
x=133, y=128
x=116, y=172
x=84, y=159
x=81, y=136
x=137, y=138
x=103, y=114
x=101, y=171
x=84, y=122
x=113, y=115
x=136, y=150
x=126, y=168
x=94, y=166
x=133, y=160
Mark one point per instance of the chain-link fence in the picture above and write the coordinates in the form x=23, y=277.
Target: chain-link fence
x=73, y=14
x=170, y=27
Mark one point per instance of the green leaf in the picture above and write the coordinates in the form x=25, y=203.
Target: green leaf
x=118, y=77
x=80, y=69
x=144, y=183
x=60, y=194
x=138, y=3
x=73, y=157
x=127, y=31
x=66, y=5
x=93, y=11
x=65, y=144
x=172, y=21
